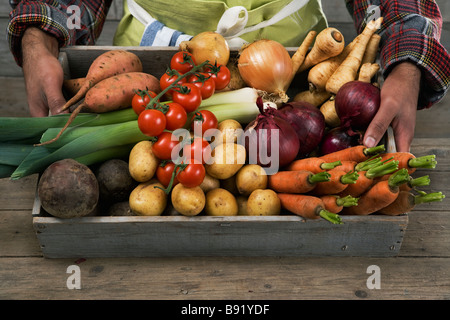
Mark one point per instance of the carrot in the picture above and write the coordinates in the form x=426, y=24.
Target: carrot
x=313, y=164
x=368, y=71
x=372, y=49
x=335, y=203
x=299, y=181
x=329, y=43
x=339, y=180
x=316, y=98
x=348, y=69
x=111, y=94
x=308, y=207
x=380, y=195
x=411, y=162
x=106, y=65
x=72, y=86
x=319, y=74
x=407, y=201
x=357, y=153
x=366, y=178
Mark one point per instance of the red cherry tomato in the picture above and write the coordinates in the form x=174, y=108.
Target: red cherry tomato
x=164, y=174
x=189, y=97
x=176, y=116
x=206, y=120
x=221, y=75
x=192, y=175
x=164, y=146
x=166, y=80
x=141, y=99
x=205, y=83
x=182, y=61
x=199, y=151
x=152, y=122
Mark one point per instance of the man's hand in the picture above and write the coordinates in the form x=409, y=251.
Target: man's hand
x=398, y=107
x=42, y=72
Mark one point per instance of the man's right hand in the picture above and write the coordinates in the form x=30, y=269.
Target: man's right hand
x=42, y=72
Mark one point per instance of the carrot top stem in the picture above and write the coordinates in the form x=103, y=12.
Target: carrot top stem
x=350, y=177
x=347, y=201
x=329, y=216
x=369, y=163
x=426, y=162
x=374, y=150
x=382, y=169
x=428, y=197
x=330, y=165
x=319, y=177
x=398, y=178
x=419, y=182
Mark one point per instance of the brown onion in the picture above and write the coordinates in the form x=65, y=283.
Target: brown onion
x=267, y=66
x=208, y=45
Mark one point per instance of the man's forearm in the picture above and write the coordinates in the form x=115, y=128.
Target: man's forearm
x=36, y=41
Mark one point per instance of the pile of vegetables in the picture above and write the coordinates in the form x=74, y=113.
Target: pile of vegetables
x=193, y=142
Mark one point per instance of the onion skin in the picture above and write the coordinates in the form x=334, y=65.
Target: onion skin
x=266, y=65
x=308, y=123
x=356, y=104
x=208, y=45
x=337, y=139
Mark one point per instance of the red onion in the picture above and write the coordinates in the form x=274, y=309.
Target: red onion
x=307, y=121
x=337, y=139
x=258, y=142
x=356, y=104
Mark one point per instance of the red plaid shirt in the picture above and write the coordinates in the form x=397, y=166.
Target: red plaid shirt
x=410, y=32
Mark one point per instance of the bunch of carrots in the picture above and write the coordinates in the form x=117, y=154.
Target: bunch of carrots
x=353, y=181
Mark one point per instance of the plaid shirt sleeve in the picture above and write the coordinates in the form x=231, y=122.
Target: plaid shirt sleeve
x=72, y=22
x=410, y=32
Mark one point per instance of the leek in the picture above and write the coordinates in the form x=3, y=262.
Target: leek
x=242, y=95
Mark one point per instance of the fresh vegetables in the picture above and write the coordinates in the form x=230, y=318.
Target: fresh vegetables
x=356, y=104
x=207, y=46
x=308, y=207
x=271, y=140
x=108, y=64
x=307, y=121
x=267, y=66
x=328, y=43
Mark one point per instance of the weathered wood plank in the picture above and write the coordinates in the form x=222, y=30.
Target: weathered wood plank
x=227, y=278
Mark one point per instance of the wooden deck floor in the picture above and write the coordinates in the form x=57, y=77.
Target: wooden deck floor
x=421, y=271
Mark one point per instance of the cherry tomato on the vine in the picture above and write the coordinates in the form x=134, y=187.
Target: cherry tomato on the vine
x=167, y=79
x=198, y=151
x=164, y=146
x=141, y=99
x=204, y=81
x=152, y=122
x=189, y=96
x=176, y=116
x=192, y=175
x=182, y=61
x=203, y=119
x=221, y=75
x=164, y=174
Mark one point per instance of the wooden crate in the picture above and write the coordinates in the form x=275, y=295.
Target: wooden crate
x=131, y=236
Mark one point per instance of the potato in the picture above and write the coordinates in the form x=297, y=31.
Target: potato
x=68, y=189
x=148, y=200
x=263, y=202
x=188, y=201
x=209, y=183
x=120, y=209
x=229, y=184
x=230, y=130
x=227, y=159
x=242, y=205
x=251, y=177
x=142, y=162
x=220, y=202
x=114, y=181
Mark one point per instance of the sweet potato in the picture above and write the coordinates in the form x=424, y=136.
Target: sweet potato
x=112, y=94
x=106, y=65
x=72, y=86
